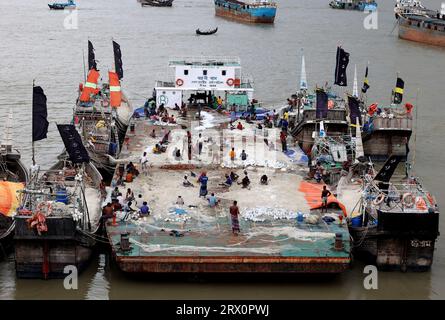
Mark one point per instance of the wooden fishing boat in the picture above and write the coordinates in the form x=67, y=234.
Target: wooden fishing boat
x=205, y=33
x=396, y=223
x=13, y=176
x=157, y=3
x=57, y=220
x=62, y=6
x=305, y=120
x=101, y=125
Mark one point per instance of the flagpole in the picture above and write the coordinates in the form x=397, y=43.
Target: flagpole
x=415, y=132
x=84, y=72
x=32, y=127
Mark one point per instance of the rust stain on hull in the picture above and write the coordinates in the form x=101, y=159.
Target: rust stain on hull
x=427, y=36
x=233, y=264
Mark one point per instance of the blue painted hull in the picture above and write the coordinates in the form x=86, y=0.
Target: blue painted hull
x=245, y=12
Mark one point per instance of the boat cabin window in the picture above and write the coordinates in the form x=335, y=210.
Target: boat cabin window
x=186, y=72
x=223, y=72
x=204, y=72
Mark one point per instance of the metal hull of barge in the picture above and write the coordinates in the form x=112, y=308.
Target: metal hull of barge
x=209, y=246
x=420, y=33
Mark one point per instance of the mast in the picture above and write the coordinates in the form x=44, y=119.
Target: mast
x=7, y=139
x=32, y=112
x=303, y=80
x=84, y=71
x=355, y=86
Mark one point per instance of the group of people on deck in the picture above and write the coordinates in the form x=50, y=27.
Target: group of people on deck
x=127, y=204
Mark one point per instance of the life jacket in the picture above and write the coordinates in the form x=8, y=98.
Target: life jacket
x=129, y=177
x=115, y=90
x=90, y=87
x=408, y=107
x=372, y=109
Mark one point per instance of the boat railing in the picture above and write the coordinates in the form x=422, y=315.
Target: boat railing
x=396, y=123
x=205, y=61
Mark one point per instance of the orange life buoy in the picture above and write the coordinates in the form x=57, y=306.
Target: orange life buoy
x=179, y=82
x=421, y=203
x=230, y=82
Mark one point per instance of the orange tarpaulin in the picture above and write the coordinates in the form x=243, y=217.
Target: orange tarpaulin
x=115, y=90
x=9, y=200
x=90, y=87
x=312, y=194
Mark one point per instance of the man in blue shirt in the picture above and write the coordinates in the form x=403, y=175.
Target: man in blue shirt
x=145, y=210
x=212, y=201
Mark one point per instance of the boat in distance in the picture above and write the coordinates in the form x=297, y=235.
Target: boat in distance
x=62, y=6
x=157, y=3
x=254, y=11
x=205, y=33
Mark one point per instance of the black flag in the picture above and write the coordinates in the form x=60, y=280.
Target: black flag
x=398, y=91
x=73, y=143
x=91, y=57
x=354, y=109
x=39, y=114
x=365, y=82
x=388, y=169
x=340, y=67
x=118, y=60
x=322, y=104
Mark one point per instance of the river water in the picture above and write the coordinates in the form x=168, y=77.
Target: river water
x=35, y=45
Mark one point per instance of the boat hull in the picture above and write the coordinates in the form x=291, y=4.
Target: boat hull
x=251, y=15
x=402, y=241
x=420, y=34
x=388, y=136
x=46, y=256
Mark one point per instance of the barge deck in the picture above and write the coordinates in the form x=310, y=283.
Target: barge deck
x=197, y=238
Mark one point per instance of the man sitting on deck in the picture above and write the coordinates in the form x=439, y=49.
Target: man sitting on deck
x=213, y=201
x=145, y=210
x=233, y=176
x=107, y=212
x=246, y=181
x=186, y=182
x=264, y=179
x=228, y=182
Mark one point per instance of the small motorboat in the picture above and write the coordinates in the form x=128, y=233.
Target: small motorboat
x=61, y=6
x=205, y=33
x=157, y=3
